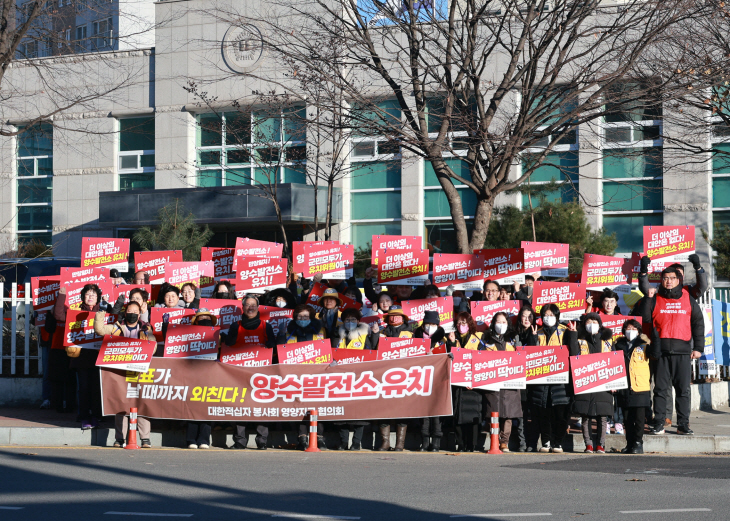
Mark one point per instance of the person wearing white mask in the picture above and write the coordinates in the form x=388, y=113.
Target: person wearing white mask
x=279, y=298
x=637, y=398
x=501, y=337
x=592, y=338
x=431, y=329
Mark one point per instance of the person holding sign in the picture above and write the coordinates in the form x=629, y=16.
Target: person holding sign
x=140, y=296
x=401, y=293
x=608, y=303
x=131, y=326
x=697, y=290
x=501, y=337
x=330, y=314
x=637, y=398
x=431, y=427
x=550, y=403
x=197, y=434
x=592, y=338
x=677, y=336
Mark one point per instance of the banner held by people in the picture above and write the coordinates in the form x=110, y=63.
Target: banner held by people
x=153, y=263
x=45, y=291
x=246, y=356
x=222, y=259
x=669, y=243
x=444, y=306
x=546, y=259
x=260, y=274
x=353, y=356
x=402, y=266
x=392, y=348
x=312, y=352
x=603, y=271
x=569, y=297
x=180, y=273
x=126, y=354
x=464, y=272
x=111, y=253
x=546, y=364
x=483, y=311
x=380, y=243
x=333, y=261
x=194, y=342
x=495, y=370
x=504, y=266
x=598, y=372
x=461, y=367
x=79, y=330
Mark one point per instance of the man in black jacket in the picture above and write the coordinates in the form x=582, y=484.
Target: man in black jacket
x=696, y=291
x=676, y=320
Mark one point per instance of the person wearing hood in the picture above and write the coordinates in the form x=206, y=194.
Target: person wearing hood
x=280, y=298
x=592, y=338
x=397, y=327
x=431, y=330
x=255, y=333
x=637, y=398
x=304, y=328
x=677, y=336
x=550, y=403
x=507, y=402
x=330, y=302
x=353, y=334
x=129, y=326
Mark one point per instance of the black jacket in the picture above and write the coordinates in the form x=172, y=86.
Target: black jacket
x=629, y=397
x=674, y=346
x=392, y=332
x=591, y=404
x=269, y=298
x=695, y=291
x=438, y=337
x=293, y=331
x=249, y=325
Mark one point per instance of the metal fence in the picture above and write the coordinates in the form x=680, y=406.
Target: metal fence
x=18, y=341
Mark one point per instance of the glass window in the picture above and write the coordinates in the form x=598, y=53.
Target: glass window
x=721, y=218
x=46, y=238
x=629, y=229
x=436, y=204
x=621, y=163
x=144, y=181
x=632, y=101
x=638, y=195
x=238, y=128
x=39, y=190
x=362, y=234
x=238, y=176
x=556, y=166
x=210, y=130
x=136, y=134
x=375, y=205
x=441, y=236
x=721, y=159
x=458, y=166
x=376, y=175
x=373, y=120
x=293, y=174
x=565, y=194
x=721, y=192
x=548, y=105
x=267, y=129
x=210, y=178
x=35, y=218
x=36, y=141
x=295, y=124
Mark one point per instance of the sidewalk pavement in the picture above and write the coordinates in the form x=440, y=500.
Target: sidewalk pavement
x=36, y=427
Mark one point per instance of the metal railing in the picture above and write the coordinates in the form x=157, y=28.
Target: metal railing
x=17, y=309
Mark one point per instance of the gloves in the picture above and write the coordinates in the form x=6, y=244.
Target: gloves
x=165, y=318
x=644, y=264
x=450, y=290
x=695, y=260
x=450, y=355
x=105, y=306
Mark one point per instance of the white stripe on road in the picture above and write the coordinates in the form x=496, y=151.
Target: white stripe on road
x=664, y=511
x=12, y=508
x=312, y=516
x=521, y=514
x=146, y=514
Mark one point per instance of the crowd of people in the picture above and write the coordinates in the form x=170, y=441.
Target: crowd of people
x=666, y=330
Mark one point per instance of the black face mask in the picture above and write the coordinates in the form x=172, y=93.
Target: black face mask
x=204, y=322
x=131, y=318
x=221, y=294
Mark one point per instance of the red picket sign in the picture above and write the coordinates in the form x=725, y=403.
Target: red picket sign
x=546, y=364
x=126, y=354
x=227, y=311
x=548, y=259
x=180, y=273
x=86, y=275
x=279, y=318
x=186, y=341
x=381, y=243
x=246, y=247
x=379, y=319
x=79, y=330
x=416, y=309
x=318, y=290
x=464, y=272
x=112, y=253
x=73, y=292
x=603, y=271
x=124, y=289
x=177, y=316
x=239, y=294
x=654, y=270
x=408, y=267
x=334, y=261
x=669, y=243
x=495, y=370
x=598, y=372
x=222, y=259
x=312, y=352
x=482, y=312
x=504, y=266
x=569, y=297
x=260, y=274
x=616, y=322
x=393, y=348
x=44, y=290
x=353, y=356
x=153, y=262
x=246, y=356
x=298, y=263
x=461, y=367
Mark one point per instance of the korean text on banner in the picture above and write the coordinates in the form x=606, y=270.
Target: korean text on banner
x=616, y=322
x=462, y=271
x=247, y=356
x=86, y=275
x=602, y=271
x=707, y=360
x=260, y=274
x=721, y=331
x=461, y=367
x=504, y=266
x=394, y=242
x=246, y=247
x=392, y=348
x=222, y=259
x=44, y=290
x=598, y=372
x=153, y=263
x=353, y=356
x=125, y=289
x=111, y=253
x=226, y=311
x=402, y=266
x=495, y=370
x=333, y=261
x=669, y=243
x=546, y=258
x=80, y=329
x=186, y=341
x=546, y=364
x=483, y=311
x=569, y=297
x=298, y=262
x=209, y=391
x=312, y=352
x=654, y=270
x=126, y=354
x=180, y=273
x=444, y=306
x=278, y=318
x=175, y=316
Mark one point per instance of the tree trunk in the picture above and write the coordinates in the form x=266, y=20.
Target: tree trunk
x=316, y=210
x=328, y=221
x=455, y=207
x=482, y=218
x=279, y=219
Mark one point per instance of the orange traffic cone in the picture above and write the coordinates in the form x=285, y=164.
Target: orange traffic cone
x=312, y=432
x=132, y=443
x=494, y=432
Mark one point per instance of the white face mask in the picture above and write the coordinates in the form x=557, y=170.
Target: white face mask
x=457, y=301
x=549, y=321
x=280, y=303
x=500, y=328
x=592, y=328
x=631, y=334
x=430, y=329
